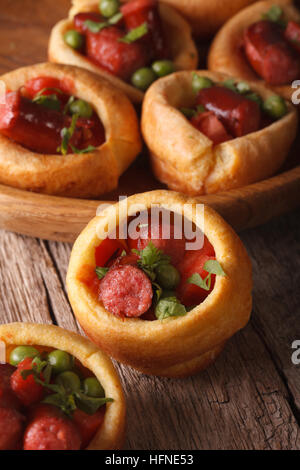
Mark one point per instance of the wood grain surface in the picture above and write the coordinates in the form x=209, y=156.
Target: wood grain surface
x=250, y=398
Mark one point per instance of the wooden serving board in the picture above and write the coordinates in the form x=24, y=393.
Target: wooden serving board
x=24, y=30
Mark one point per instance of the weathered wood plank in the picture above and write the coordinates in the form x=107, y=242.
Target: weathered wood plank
x=275, y=252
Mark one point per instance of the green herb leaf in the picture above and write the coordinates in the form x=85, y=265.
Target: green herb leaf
x=90, y=404
x=115, y=18
x=42, y=91
x=229, y=83
x=48, y=101
x=96, y=27
x=198, y=281
x=68, y=104
x=188, y=112
x=67, y=134
x=39, y=367
x=150, y=258
x=212, y=266
x=63, y=401
x=101, y=272
x=275, y=14
x=169, y=307
x=89, y=148
x=135, y=34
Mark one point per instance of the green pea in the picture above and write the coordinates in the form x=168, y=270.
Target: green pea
x=167, y=276
x=109, y=8
x=69, y=380
x=198, y=83
x=163, y=67
x=142, y=78
x=73, y=39
x=93, y=388
x=82, y=108
x=275, y=106
x=60, y=361
x=20, y=353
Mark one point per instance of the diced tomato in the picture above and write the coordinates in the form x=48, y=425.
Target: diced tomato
x=211, y=126
x=88, y=425
x=81, y=18
x=27, y=390
x=88, y=276
x=48, y=84
x=136, y=13
x=108, y=250
x=193, y=262
x=292, y=34
x=116, y=57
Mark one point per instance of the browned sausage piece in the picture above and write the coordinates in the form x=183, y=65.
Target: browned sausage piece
x=239, y=115
x=270, y=55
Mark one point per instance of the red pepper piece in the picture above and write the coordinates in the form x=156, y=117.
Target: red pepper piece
x=27, y=390
x=270, y=54
x=117, y=58
x=239, y=115
x=292, y=34
x=211, y=126
x=193, y=262
x=88, y=425
x=138, y=12
x=108, y=250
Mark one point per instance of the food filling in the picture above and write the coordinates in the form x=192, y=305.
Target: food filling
x=127, y=41
x=272, y=47
x=224, y=111
x=48, y=401
x=44, y=117
x=151, y=277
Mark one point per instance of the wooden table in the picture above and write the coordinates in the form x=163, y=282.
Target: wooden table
x=250, y=398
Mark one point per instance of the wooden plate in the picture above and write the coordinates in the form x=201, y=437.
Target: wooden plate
x=24, y=32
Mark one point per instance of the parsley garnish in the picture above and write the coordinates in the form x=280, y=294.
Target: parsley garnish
x=67, y=133
x=275, y=14
x=212, y=267
x=169, y=307
x=150, y=258
x=96, y=27
x=101, y=272
x=48, y=101
x=135, y=34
